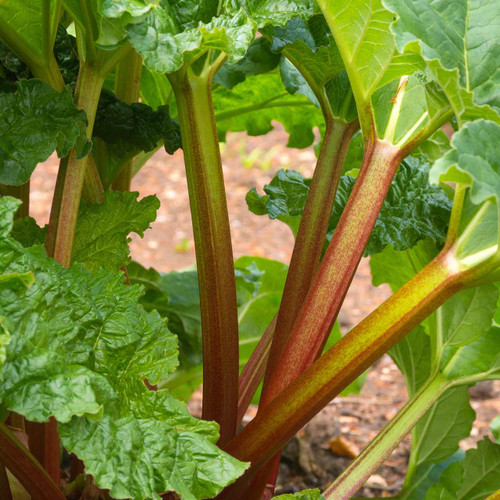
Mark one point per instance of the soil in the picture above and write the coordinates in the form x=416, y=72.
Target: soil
x=308, y=460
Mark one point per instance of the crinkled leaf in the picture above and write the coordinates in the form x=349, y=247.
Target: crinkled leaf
x=128, y=129
x=413, y=210
x=81, y=347
x=8, y=208
x=36, y=121
x=258, y=59
x=459, y=46
x=474, y=478
x=276, y=12
x=172, y=35
x=474, y=161
x=102, y=230
x=161, y=447
x=28, y=232
x=252, y=105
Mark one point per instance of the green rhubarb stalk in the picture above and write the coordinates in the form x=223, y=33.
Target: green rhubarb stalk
x=214, y=256
x=26, y=468
x=264, y=436
x=310, y=237
x=127, y=89
x=322, y=304
x=71, y=175
x=379, y=449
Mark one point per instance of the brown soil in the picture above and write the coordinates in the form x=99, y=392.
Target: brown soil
x=308, y=460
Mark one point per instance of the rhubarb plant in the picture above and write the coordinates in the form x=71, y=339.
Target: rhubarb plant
x=98, y=354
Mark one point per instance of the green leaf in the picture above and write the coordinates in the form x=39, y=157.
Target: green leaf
x=480, y=359
x=28, y=27
x=474, y=478
x=94, y=346
x=258, y=59
x=252, y=105
x=427, y=475
x=302, y=495
x=313, y=66
x=397, y=268
x=102, y=229
x=412, y=357
x=36, y=121
x=440, y=430
x=361, y=29
x=473, y=161
x=172, y=35
x=467, y=315
x=412, y=211
x=459, y=47
x=277, y=12
x=128, y=129
x=161, y=447
x=8, y=208
x=28, y=232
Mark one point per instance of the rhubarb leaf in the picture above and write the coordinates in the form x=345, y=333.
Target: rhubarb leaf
x=150, y=446
x=473, y=161
x=459, y=47
x=440, y=430
x=361, y=29
x=172, y=34
x=412, y=357
x=28, y=28
x=128, y=129
x=301, y=495
x=473, y=478
x=254, y=104
x=258, y=59
x=81, y=347
x=313, y=66
x=36, y=121
x=28, y=232
x=467, y=315
x=397, y=268
x=413, y=210
x=176, y=33
x=271, y=11
x=427, y=475
x=437, y=434
x=479, y=358
x=102, y=230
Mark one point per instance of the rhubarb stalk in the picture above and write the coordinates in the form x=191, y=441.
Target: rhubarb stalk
x=219, y=313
